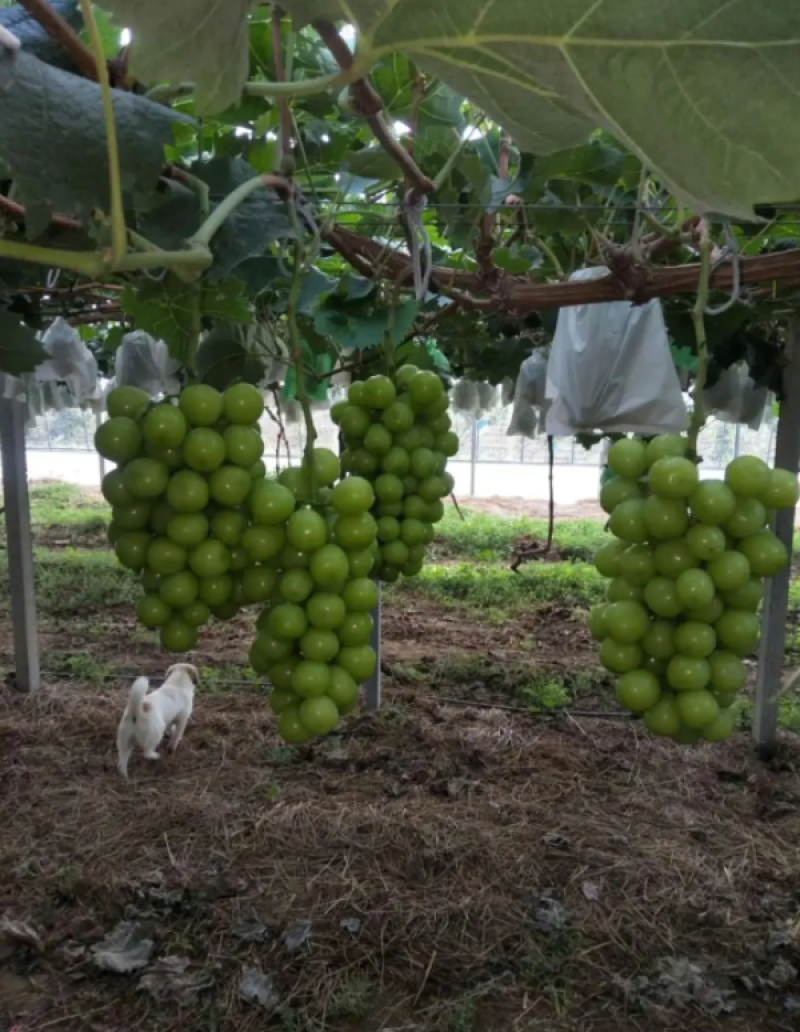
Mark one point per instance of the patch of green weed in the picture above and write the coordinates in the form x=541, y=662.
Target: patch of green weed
x=545, y=693
x=496, y=588
x=80, y=666
x=485, y=537
x=219, y=680
x=63, y=505
x=75, y=581
x=352, y=997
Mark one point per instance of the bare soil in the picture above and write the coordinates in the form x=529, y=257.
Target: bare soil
x=453, y=863
x=432, y=867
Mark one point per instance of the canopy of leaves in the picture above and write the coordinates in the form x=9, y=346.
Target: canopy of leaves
x=547, y=128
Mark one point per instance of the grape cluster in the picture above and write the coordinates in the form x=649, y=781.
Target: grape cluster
x=183, y=475
x=195, y=515
x=313, y=637
x=397, y=435
x=686, y=566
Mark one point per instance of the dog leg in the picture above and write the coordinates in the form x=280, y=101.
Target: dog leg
x=178, y=730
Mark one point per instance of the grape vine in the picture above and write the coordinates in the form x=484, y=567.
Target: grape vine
x=297, y=189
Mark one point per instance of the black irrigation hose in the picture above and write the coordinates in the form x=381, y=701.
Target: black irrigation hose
x=551, y=714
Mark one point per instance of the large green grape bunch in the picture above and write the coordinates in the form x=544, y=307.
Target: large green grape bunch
x=194, y=514
x=184, y=471
x=313, y=636
x=686, y=567
x=397, y=435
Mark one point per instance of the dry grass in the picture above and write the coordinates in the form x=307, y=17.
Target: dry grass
x=502, y=874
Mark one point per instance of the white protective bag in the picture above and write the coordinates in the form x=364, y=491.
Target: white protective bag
x=735, y=398
x=66, y=379
x=530, y=404
x=144, y=362
x=611, y=370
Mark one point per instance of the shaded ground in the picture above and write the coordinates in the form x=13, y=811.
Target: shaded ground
x=433, y=867
x=587, y=510
x=448, y=868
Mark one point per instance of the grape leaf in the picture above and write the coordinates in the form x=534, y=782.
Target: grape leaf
x=46, y=112
x=37, y=40
x=596, y=163
x=223, y=358
x=20, y=349
x=199, y=41
x=353, y=330
x=255, y=224
x=171, y=310
x=700, y=90
x=173, y=216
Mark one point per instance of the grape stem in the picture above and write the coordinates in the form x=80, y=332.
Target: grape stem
x=296, y=350
x=119, y=236
x=698, y=318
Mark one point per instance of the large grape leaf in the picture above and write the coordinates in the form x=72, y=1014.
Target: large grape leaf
x=37, y=40
x=701, y=90
x=172, y=310
x=199, y=41
x=253, y=226
x=20, y=349
x=54, y=139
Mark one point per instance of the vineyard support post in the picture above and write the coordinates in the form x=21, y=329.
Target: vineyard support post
x=13, y=415
x=776, y=599
x=372, y=689
x=473, y=460
x=98, y=419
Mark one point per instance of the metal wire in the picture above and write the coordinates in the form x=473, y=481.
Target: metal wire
x=551, y=714
x=730, y=251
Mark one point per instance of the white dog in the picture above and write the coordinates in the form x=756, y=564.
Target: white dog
x=148, y=716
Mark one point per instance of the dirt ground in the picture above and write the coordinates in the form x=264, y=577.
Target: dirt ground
x=453, y=863
x=432, y=867
x=537, y=510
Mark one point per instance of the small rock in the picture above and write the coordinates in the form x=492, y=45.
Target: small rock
x=591, y=890
x=350, y=924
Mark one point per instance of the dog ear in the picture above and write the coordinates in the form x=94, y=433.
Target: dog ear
x=190, y=670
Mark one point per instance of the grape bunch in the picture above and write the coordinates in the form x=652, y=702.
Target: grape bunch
x=184, y=472
x=686, y=568
x=397, y=436
x=313, y=636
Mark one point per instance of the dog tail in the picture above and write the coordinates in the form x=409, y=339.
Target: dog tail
x=136, y=703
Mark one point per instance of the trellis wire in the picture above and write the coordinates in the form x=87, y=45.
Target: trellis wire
x=550, y=714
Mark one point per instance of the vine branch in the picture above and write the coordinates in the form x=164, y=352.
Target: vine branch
x=55, y=26
x=698, y=318
x=119, y=235
x=284, y=111
x=296, y=349
x=369, y=105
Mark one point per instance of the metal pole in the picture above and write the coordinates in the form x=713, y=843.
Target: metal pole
x=98, y=419
x=776, y=599
x=20, y=550
x=474, y=458
x=372, y=688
